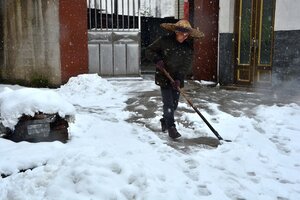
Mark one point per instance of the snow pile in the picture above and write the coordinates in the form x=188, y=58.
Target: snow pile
x=28, y=101
x=281, y=125
x=109, y=158
x=24, y=155
x=90, y=90
x=262, y=162
x=202, y=82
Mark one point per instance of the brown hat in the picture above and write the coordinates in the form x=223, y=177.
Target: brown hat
x=182, y=26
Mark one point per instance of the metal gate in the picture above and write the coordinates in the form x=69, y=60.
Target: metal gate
x=114, y=37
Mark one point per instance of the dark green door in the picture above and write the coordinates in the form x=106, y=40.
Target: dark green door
x=254, y=41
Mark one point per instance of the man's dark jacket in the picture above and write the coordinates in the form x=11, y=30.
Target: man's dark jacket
x=177, y=58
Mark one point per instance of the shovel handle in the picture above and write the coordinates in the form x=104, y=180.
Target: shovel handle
x=192, y=105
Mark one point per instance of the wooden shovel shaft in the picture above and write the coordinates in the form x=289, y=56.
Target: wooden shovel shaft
x=192, y=105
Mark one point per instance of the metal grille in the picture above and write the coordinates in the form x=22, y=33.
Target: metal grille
x=114, y=37
x=114, y=15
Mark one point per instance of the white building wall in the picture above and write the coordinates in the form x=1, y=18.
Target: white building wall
x=287, y=15
x=226, y=16
x=31, y=41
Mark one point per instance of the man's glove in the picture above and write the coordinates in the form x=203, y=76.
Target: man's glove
x=160, y=65
x=176, y=84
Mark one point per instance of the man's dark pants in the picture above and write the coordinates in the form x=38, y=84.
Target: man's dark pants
x=170, y=97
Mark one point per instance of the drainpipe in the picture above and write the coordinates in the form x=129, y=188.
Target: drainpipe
x=186, y=6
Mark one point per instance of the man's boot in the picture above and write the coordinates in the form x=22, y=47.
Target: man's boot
x=163, y=125
x=173, y=133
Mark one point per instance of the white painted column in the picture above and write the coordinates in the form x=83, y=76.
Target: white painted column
x=226, y=16
x=226, y=23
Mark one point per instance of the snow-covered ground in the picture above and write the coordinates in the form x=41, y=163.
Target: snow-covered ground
x=109, y=158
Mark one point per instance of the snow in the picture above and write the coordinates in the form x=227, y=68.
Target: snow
x=85, y=90
x=28, y=101
x=108, y=157
x=203, y=82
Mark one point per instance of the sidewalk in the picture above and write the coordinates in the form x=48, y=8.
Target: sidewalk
x=117, y=151
x=146, y=107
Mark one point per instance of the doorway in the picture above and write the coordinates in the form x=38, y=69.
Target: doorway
x=254, y=32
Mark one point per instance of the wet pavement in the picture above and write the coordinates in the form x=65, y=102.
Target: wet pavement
x=237, y=102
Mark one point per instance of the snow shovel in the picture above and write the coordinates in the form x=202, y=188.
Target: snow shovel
x=195, y=109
